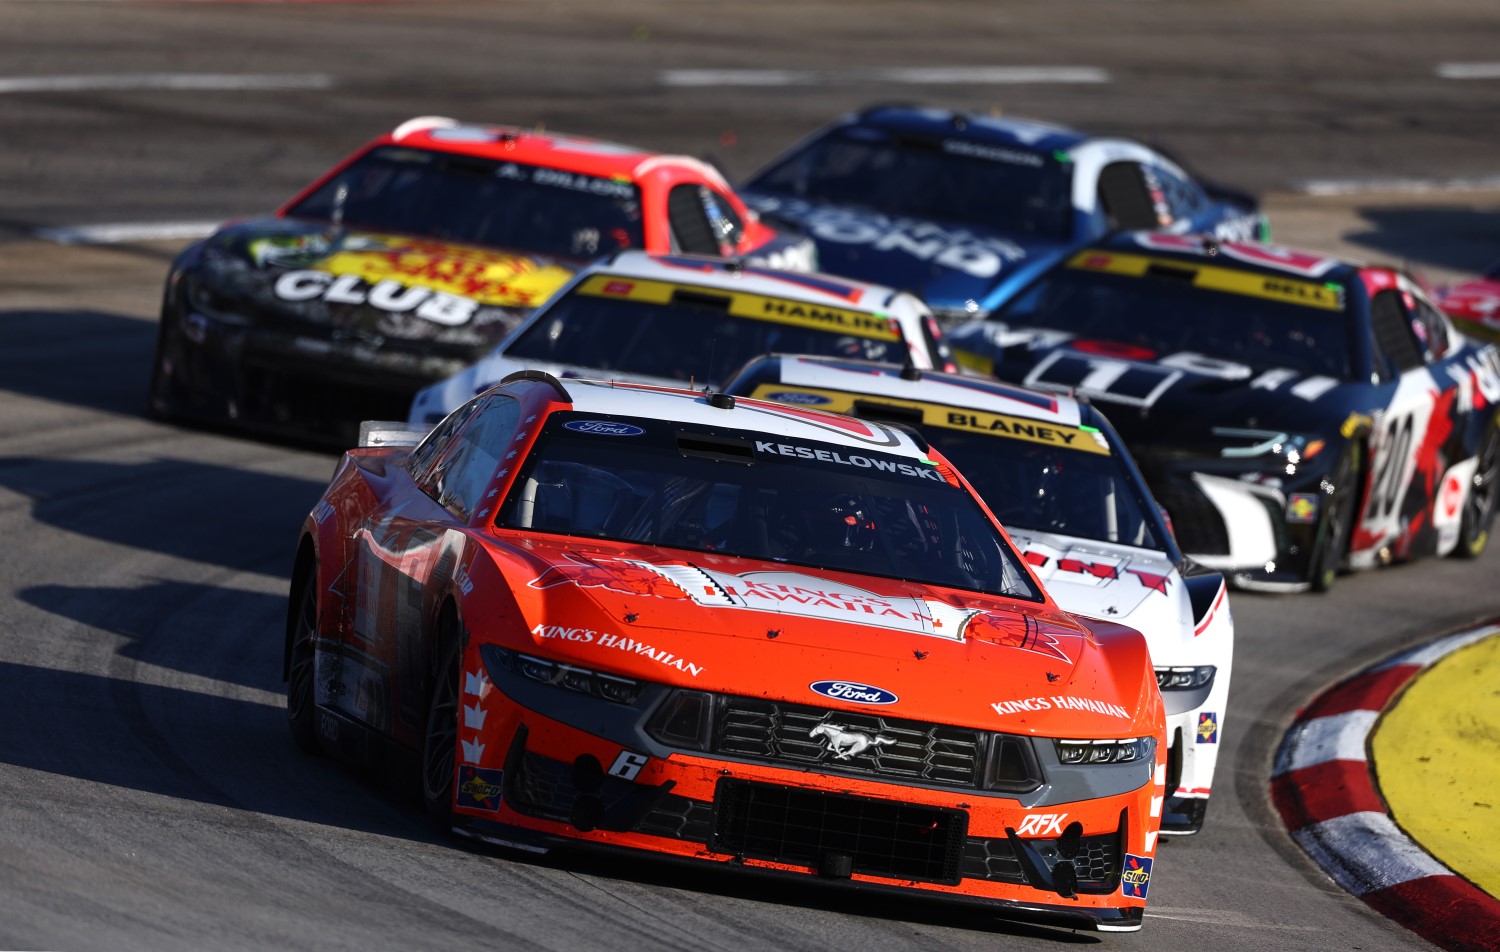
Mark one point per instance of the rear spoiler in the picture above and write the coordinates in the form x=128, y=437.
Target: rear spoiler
x=391, y=433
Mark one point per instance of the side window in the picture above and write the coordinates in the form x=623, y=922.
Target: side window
x=1392, y=343
x=691, y=231
x=1183, y=198
x=724, y=221
x=1431, y=326
x=470, y=451
x=1125, y=198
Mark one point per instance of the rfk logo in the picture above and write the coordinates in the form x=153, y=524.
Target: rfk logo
x=1042, y=824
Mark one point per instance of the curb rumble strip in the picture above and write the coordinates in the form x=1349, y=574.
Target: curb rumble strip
x=1324, y=789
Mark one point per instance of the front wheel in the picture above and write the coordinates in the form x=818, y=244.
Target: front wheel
x=301, y=703
x=1479, y=506
x=440, y=740
x=1333, y=538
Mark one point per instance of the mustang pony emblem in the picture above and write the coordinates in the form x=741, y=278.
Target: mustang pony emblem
x=845, y=743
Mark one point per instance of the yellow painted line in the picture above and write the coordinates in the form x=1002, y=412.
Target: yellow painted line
x=1434, y=754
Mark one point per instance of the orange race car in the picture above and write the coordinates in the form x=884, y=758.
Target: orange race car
x=728, y=632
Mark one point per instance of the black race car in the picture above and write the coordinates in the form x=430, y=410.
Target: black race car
x=1296, y=414
x=411, y=259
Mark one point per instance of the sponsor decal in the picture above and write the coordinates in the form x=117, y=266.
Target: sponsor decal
x=853, y=691
x=758, y=307
x=1255, y=252
x=462, y=580
x=479, y=788
x=798, y=397
x=844, y=743
x=1155, y=581
x=603, y=428
x=958, y=249
x=628, y=765
x=588, y=636
x=1061, y=702
x=1213, y=278
x=1042, y=824
x=1208, y=728
x=1302, y=507
x=852, y=460
x=1013, y=632
x=992, y=153
x=389, y=295
x=626, y=576
x=1136, y=877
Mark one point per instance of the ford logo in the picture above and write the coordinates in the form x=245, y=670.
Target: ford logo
x=603, y=428
x=853, y=691
x=793, y=396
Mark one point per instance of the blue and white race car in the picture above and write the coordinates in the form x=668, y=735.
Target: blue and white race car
x=963, y=209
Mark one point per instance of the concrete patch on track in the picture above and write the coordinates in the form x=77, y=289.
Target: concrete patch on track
x=197, y=82
x=914, y=76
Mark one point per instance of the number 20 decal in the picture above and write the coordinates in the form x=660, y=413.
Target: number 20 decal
x=1386, y=489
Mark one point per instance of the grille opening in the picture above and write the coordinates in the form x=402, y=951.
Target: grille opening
x=1185, y=275
x=803, y=827
x=1012, y=766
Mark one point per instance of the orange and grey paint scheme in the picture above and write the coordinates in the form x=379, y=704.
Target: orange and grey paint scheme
x=763, y=714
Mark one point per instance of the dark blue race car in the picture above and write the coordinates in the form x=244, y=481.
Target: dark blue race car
x=963, y=209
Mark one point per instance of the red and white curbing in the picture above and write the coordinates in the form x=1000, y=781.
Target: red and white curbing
x=1323, y=787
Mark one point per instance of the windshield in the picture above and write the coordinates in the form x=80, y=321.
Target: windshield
x=1165, y=310
x=762, y=497
x=1043, y=488
x=952, y=180
x=479, y=201
x=624, y=326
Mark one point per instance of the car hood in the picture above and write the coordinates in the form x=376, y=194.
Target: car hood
x=1165, y=401
x=813, y=636
x=1120, y=583
x=371, y=285
x=948, y=266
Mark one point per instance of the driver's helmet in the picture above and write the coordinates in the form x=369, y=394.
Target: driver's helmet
x=825, y=523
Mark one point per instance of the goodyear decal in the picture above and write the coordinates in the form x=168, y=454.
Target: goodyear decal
x=1086, y=440
x=754, y=306
x=398, y=274
x=1211, y=278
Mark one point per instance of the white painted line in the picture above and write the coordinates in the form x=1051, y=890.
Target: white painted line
x=1322, y=739
x=917, y=76
x=1468, y=70
x=120, y=234
x=194, y=81
x=1364, y=852
x=1326, y=187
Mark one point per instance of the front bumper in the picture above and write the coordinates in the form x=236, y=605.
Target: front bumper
x=543, y=784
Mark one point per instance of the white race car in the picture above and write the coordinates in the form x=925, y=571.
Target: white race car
x=1055, y=474
x=679, y=319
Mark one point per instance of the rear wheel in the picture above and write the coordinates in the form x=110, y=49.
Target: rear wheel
x=1479, y=506
x=301, y=704
x=1338, y=522
x=440, y=740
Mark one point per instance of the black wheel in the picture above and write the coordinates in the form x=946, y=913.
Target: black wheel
x=301, y=704
x=440, y=740
x=1479, y=507
x=1338, y=522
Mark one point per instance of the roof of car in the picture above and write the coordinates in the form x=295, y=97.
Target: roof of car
x=616, y=398
x=1015, y=132
x=932, y=387
x=537, y=147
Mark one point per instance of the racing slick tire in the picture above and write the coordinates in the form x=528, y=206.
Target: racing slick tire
x=440, y=738
x=302, y=629
x=1479, y=506
x=1333, y=535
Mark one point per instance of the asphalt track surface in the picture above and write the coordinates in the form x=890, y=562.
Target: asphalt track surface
x=149, y=795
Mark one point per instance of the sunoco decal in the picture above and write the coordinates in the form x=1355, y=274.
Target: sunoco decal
x=1136, y=878
x=479, y=788
x=853, y=691
x=603, y=428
